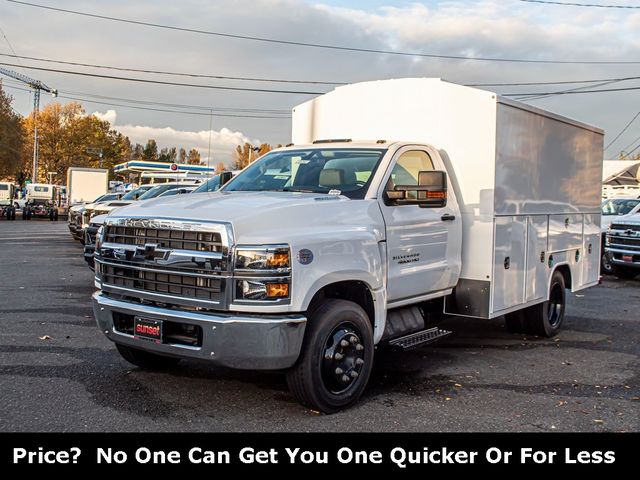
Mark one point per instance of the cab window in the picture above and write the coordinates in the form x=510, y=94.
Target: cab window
x=407, y=168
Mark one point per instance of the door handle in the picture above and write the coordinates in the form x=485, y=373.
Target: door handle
x=447, y=217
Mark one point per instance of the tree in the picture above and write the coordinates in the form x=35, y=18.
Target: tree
x=137, y=152
x=220, y=167
x=150, y=152
x=168, y=155
x=182, y=156
x=70, y=138
x=12, y=138
x=194, y=157
x=247, y=153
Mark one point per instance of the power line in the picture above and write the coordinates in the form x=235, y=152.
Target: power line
x=177, y=105
x=623, y=130
x=311, y=82
x=9, y=43
x=566, y=92
x=571, y=4
x=320, y=45
x=162, y=72
x=162, y=82
x=171, y=111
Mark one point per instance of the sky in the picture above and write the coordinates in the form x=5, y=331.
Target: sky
x=484, y=28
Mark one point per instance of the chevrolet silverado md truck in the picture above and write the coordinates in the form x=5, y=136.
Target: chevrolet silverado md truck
x=399, y=202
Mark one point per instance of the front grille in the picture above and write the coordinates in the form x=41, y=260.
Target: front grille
x=170, y=239
x=634, y=242
x=201, y=286
x=620, y=226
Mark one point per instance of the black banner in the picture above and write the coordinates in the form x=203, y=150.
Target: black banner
x=315, y=452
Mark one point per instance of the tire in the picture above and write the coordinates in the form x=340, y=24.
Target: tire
x=148, y=360
x=625, y=273
x=515, y=322
x=55, y=215
x=13, y=213
x=321, y=381
x=606, y=267
x=24, y=214
x=546, y=318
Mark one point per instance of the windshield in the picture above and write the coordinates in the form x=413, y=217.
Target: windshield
x=348, y=170
x=155, y=191
x=135, y=194
x=619, y=206
x=210, y=185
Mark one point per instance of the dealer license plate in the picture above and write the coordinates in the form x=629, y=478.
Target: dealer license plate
x=627, y=258
x=147, y=329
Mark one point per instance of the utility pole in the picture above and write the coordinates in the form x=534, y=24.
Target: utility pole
x=36, y=85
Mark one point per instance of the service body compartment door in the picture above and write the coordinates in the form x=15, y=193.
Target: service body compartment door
x=509, y=262
x=536, y=276
x=565, y=232
x=591, y=252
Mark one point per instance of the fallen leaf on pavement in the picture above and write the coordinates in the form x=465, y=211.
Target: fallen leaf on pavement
x=45, y=337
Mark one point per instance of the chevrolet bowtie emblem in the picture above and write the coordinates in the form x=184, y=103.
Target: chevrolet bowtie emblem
x=148, y=252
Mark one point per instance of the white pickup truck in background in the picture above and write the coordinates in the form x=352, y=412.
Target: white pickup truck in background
x=459, y=203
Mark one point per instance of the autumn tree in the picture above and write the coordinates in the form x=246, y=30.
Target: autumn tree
x=194, y=157
x=182, y=156
x=137, y=152
x=150, y=152
x=247, y=153
x=68, y=137
x=220, y=167
x=11, y=138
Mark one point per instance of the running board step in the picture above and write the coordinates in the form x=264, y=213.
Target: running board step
x=420, y=338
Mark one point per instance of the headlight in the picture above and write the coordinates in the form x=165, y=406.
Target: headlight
x=276, y=258
x=255, y=289
x=99, y=238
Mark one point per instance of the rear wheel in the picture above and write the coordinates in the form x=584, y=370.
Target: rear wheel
x=545, y=319
x=626, y=273
x=336, y=360
x=148, y=360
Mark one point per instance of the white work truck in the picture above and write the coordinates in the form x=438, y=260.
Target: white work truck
x=318, y=252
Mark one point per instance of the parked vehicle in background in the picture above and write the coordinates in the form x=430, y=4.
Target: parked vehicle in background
x=85, y=184
x=7, y=194
x=622, y=245
x=41, y=201
x=213, y=184
x=97, y=220
x=79, y=216
x=316, y=253
x=612, y=209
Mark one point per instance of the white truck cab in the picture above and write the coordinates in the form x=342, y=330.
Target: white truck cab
x=7, y=202
x=317, y=252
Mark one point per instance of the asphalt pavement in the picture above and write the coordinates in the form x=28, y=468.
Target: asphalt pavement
x=59, y=373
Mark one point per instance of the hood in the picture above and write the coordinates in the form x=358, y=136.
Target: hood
x=633, y=219
x=265, y=216
x=98, y=220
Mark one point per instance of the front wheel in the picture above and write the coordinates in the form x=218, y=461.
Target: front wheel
x=336, y=360
x=148, y=360
x=606, y=267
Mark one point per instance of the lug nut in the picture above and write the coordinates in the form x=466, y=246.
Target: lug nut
x=344, y=343
x=353, y=339
x=353, y=374
x=338, y=356
x=345, y=379
x=359, y=347
x=339, y=371
x=359, y=361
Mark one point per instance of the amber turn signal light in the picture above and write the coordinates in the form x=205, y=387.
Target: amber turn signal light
x=277, y=290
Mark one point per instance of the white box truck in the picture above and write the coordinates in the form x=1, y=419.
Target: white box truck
x=400, y=202
x=84, y=185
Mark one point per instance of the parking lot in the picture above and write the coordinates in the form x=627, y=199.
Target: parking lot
x=59, y=373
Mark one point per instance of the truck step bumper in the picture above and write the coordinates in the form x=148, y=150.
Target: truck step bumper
x=232, y=340
x=419, y=339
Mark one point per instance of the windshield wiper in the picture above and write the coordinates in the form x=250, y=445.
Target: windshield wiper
x=301, y=190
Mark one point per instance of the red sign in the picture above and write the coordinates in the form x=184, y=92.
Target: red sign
x=174, y=167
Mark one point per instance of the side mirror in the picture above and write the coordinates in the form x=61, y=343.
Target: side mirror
x=225, y=177
x=431, y=191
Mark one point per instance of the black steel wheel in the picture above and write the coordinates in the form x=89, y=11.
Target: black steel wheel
x=148, y=360
x=336, y=359
x=606, y=267
x=546, y=318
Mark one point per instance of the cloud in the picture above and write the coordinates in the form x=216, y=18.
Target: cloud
x=223, y=141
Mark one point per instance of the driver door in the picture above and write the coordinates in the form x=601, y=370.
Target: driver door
x=423, y=243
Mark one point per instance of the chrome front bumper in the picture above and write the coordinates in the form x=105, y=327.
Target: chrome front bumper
x=231, y=340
